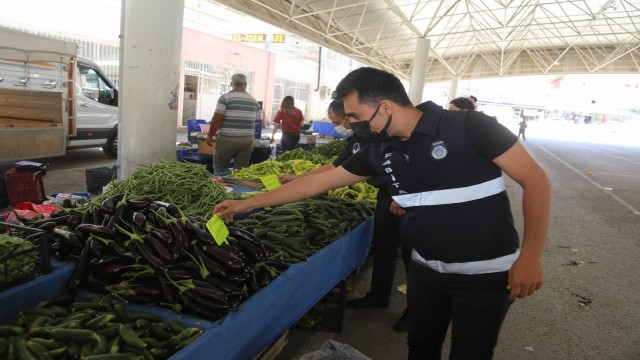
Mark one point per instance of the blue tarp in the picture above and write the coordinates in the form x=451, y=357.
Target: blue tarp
x=325, y=128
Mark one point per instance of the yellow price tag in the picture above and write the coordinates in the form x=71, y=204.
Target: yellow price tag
x=218, y=230
x=270, y=182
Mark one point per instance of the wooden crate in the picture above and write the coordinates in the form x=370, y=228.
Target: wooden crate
x=273, y=350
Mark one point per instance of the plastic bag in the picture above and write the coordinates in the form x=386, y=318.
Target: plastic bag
x=334, y=350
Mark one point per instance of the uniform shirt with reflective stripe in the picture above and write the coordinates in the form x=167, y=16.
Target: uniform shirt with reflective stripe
x=457, y=208
x=240, y=112
x=354, y=145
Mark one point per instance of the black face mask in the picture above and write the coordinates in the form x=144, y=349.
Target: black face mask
x=362, y=130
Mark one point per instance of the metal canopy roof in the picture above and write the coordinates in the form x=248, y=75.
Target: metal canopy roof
x=470, y=39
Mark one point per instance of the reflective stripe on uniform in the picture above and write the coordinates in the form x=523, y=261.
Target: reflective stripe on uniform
x=500, y=264
x=452, y=196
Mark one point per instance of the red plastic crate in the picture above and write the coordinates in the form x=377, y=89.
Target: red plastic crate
x=24, y=186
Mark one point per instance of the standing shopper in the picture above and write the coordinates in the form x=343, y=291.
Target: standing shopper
x=445, y=169
x=292, y=120
x=234, y=123
x=386, y=224
x=523, y=127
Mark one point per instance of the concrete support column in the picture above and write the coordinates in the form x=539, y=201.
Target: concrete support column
x=149, y=81
x=453, y=89
x=416, y=87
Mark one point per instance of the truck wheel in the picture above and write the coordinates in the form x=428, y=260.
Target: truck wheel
x=111, y=148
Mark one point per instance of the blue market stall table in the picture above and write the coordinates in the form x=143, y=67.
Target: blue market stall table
x=26, y=295
x=257, y=322
x=266, y=315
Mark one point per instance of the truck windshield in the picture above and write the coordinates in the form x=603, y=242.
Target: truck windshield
x=95, y=87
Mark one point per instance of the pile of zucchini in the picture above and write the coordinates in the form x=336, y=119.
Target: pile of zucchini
x=70, y=328
x=295, y=231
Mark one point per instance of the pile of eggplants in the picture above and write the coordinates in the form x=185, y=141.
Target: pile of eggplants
x=152, y=253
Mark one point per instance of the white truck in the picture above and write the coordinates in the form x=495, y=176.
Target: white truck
x=51, y=100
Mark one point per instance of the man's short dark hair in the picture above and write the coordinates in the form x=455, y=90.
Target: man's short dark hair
x=475, y=99
x=462, y=103
x=337, y=107
x=373, y=85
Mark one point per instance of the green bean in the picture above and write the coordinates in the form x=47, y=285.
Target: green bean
x=187, y=185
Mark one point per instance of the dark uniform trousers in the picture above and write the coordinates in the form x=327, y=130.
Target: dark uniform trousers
x=475, y=305
x=385, y=243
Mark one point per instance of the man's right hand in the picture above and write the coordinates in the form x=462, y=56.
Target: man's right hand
x=228, y=208
x=285, y=178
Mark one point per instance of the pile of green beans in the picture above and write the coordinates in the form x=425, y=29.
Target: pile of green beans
x=187, y=185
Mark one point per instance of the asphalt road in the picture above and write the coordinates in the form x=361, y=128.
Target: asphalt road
x=589, y=306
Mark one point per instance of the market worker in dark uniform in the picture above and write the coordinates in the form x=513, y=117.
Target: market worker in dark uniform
x=386, y=224
x=445, y=169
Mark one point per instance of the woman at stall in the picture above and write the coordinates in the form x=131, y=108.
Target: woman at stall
x=292, y=120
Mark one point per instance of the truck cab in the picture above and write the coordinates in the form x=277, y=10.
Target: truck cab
x=96, y=101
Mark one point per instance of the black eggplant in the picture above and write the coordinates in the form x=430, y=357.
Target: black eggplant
x=139, y=203
x=170, y=208
x=46, y=226
x=74, y=220
x=180, y=238
x=162, y=234
x=98, y=230
x=148, y=255
x=213, y=266
x=200, y=233
x=104, y=260
x=181, y=274
x=158, y=248
x=253, y=252
x=243, y=234
x=66, y=235
x=185, y=265
x=226, y=258
x=206, y=300
x=81, y=266
x=226, y=286
x=135, y=217
x=109, y=205
x=122, y=252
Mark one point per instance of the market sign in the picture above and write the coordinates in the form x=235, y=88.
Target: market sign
x=257, y=38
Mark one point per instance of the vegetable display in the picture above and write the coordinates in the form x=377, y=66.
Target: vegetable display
x=153, y=253
x=70, y=328
x=187, y=185
x=16, y=262
x=298, y=230
x=357, y=192
x=273, y=167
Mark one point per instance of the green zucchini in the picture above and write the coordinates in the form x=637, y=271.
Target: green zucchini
x=129, y=337
x=73, y=335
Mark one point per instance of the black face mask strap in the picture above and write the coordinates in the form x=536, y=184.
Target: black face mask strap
x=386, y=126
x=374, y=113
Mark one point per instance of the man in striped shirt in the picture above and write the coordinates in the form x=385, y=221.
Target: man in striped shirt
x=234, y=123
